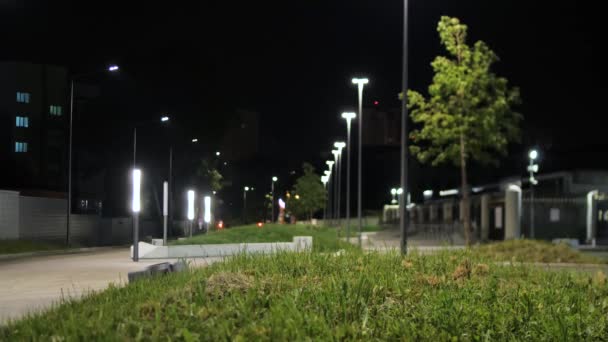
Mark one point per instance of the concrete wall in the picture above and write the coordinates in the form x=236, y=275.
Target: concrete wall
x=148, y=251
x=9, y=214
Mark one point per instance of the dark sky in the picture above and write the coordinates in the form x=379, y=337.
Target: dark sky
x=292, y=61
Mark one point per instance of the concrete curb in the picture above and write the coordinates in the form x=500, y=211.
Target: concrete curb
x=6, y=257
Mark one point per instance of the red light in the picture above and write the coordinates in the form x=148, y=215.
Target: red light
x=376, y=103
x=260, y=224
x=220, y=225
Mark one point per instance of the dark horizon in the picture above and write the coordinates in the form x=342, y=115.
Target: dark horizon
x=292, y=64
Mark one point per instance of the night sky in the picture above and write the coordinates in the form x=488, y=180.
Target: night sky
x=292, y=62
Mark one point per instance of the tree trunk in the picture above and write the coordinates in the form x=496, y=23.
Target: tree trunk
x=466, y=218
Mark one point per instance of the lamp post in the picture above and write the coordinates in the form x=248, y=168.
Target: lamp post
x=394, y=193
x=332, y=180
x=348, y=116
x=190, y=213
x=403, y=220
x=245, y=189
x=165, y=210
x=336, y=154
x=136, y=208
x=532, y=169
x=339, y=146
x=360, y=82
x=207, y=212
x=274, y=179
x=399, y=193
x=111, y=68
x=324, y=180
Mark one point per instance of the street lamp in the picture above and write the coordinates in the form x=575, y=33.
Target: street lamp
x=274, y=179
x=330, y=195
x=404, y=135
x=245, y=189
x=399, y=193
x=194, y=140
x=190, y=213
x=73, y=78
x=532, y=169
x=340, y=146
x=136, y=208
x=207, y=212
x=394, y=193
x=360, y=82
x=217, y=153
x=348, y=116
x=164, y=118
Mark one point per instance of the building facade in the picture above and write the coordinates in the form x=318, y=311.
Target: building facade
x=33, y=126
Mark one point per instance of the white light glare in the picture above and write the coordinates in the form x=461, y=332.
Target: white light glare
x=533, y=154
x=207, y=215
x=164, y=119
x=165, y=199
x=450, y=192
x=190, y=205
x=360, y=81
x=274, y=179
x=113, y=67
x=349, y=115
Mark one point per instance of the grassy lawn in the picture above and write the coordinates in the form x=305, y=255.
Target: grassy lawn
x=324, y=239
x=319, y=296
x=535, y=251
x=18, y=246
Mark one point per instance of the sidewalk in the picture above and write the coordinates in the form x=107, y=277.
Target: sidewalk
x=390, y=239
x=35, y=283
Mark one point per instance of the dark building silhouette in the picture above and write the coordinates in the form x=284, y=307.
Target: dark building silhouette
x=33, y=126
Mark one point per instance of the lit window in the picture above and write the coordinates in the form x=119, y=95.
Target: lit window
x=55, y=110
x=23, y=97
x=22, y=121
x=20, y=147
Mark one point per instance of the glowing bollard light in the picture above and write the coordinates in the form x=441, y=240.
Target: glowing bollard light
x=190, y=214
x=136, y=208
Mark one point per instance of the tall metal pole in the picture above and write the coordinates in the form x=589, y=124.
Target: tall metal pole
x=359, y=162
x=336, y=194
x=404, y=152
x=272, y=201
x=135, y=214
x=339, y=187
x=69, y=204
x=330, y=185
x=170, y=204
x=348, y=180
x=244, y=206
x=531, y=198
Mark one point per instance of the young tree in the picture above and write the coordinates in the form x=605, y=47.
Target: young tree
x=468, y=114
x=208, y=177
x=308, y=195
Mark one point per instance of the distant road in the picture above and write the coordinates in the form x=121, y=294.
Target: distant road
x=32, y=284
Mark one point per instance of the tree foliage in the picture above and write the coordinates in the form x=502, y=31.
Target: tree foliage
x=208, y=177
x=468, y=114
x=309, y=194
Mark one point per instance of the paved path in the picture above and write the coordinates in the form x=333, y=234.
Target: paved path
x=31, y=284
x=389, y=239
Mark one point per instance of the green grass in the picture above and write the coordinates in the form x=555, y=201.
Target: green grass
x=324, y=238
x=354, y=296
x=534, y=251
x=19, y=246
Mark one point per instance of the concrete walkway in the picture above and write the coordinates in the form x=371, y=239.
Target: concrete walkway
x=389, y=239
x=32, y=284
